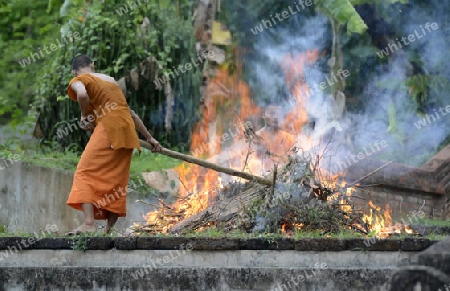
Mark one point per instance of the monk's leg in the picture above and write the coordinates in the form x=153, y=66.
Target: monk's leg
x=89, y=222
x=111, y=220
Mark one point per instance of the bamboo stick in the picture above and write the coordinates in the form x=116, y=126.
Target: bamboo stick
x=209, y=165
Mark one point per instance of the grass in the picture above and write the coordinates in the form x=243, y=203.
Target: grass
x=344, y=234
x=26, y=234
x=146, y=162
x=151, y=162
x=214, y=232
x=67, y=160
x=433, y=236
x=433, y=222
x=79, y=243
x=211, y=232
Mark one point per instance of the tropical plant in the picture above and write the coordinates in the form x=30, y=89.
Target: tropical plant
x=121, y=38
x=25, y=26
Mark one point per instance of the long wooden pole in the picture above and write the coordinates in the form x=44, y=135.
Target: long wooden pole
x=209, y=165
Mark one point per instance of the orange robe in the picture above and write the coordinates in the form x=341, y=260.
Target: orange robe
x=102, y=174
x=278, y=143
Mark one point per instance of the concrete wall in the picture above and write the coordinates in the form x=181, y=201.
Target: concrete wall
x=32, y=197
x=200, y=270
x=405, y=188
x=402, y=203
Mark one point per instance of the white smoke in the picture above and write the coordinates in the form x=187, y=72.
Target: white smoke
x=389, y=112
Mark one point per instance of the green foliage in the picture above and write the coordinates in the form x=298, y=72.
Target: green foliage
x=382, y=7
x=117, y=44
x=344, y=12
x=378, y=2
x=433, y=222
x=343, y=234
x=211, y=231
x=437, y=237
x=10, y=147
x=24, y=27
x=392, y=117
x=320, y=217
x=148, y=161
x=65, y=160
x=418, y=88
x=79, y=242
x=426, y=89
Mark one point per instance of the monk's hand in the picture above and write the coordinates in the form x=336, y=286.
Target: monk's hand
x=86, y=125
x=156, y=147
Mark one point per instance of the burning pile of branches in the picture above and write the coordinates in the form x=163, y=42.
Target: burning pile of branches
x=301, y=199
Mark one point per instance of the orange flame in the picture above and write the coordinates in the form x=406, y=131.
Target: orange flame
x=228, y=103
x=293, y=67
x=381, y=224
x=221, y=121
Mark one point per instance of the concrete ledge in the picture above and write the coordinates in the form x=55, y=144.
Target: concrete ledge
x=167, y=263
x=199, y=270
x=322, y=244
x=218, y=244
x=205, y=259
x=177, y=279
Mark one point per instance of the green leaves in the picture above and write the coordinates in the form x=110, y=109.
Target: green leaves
x=344, y=12
x=25, y=26
x=117, y=44
x=164, y=4
x=360, y=2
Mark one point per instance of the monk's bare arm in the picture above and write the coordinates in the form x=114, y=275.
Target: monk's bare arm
x=143, y=130
x=84, y=101
x=82, y=97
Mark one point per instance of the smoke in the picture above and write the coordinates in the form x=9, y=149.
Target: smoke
x=389, y=113
x=280, y=56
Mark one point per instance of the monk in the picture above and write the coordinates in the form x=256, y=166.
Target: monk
x=101, y=180
x=274, y=143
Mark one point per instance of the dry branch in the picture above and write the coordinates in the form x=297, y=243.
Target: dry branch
x=222, y=211
x=209, y=165
x=370, y=174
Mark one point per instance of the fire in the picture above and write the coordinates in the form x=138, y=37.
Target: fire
x=228, y=101
x=379, y=223
x=223, y=93
x=228, y=104
x=289, y=229
x=293, y=67
x=283, y=228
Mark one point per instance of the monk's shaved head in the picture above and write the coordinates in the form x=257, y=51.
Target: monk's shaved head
x=272, y=110
x=81, y=61
x=272, y=115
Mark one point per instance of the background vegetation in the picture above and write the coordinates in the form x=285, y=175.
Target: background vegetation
x=119, y=43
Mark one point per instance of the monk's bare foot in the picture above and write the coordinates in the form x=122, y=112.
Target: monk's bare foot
x=83, y=229
x=111, y=220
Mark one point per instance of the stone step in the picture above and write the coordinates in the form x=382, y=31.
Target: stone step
x=14, y=244
x=198, y=279
x=43, y=269
x=181, y=263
